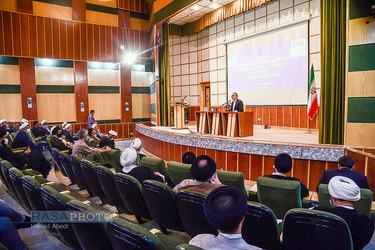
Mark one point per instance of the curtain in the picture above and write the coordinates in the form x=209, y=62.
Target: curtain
x=164, y=89
x=333, y=58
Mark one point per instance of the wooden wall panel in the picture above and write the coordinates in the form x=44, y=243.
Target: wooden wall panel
x=316, y=172
x=256, y=167
x=70, y=38
x=81, y=90
x=79, y=10
x=287, y=117
x=244, y=165
x=96, y=38
x=33, y=44
x=90, y=42
x=56, y=38
x=220, y=158
x=7, y=27
x=83, y=42
x=273, y=116
x=77, y=41
x=300, y=170
x=126, y=92
x=359, y=161
x=1, y=34
x=28, y=88
x=303, y=117
x=63, y=39
x=13, y=102
x=25, y=35
x=280, y=116
x=371, y=173
x=16, y=26
x=41, y=37
x=268, y=164
x=25, y=6
x=295, y=117
x=49, y=37
x=134, y=5
x=210, y=153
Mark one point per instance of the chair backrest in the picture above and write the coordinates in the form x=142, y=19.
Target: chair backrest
x=89, y=172
x=55, y=201
x=312, y=229
x=91, y=142
x=10, y=140
x=1, y=174
x=48, y=139
x=14, y=134
x=190, y=208
x=179, y=171
x=75, y=162
x=107, y=182
x=111, y=158
x=126, y=235
x=260, y=227
x=130, y=191
x=232, y=179
x=16, y=179
x=363, y=206
x=156, y=165
x=161, y=202
x=65, y=163
x=279, y=195
x=5, y=166
x=90, y=235
x=33, y=193
x=55, y=156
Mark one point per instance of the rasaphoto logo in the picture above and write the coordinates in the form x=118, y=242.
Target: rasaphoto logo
x=70, y=217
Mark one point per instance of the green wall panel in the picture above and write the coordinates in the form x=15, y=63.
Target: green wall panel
x=54, y=89
x=362, y=57
x=10, y=89
x=361, y=109
x=104, y=90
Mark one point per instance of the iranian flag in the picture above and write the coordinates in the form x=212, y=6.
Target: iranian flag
x=312, y=96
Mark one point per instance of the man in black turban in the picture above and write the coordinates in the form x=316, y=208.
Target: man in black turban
x=188, y=157
x=283, y=165
x=225, y=209
x=203, y=170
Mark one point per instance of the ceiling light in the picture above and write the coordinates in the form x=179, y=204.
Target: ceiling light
x=130, y=58
x=214, y=6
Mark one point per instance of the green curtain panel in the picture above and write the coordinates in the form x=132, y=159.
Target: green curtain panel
x=165, y=96
x=333, y=47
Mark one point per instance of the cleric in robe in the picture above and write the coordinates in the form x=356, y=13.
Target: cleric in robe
x=236, y=104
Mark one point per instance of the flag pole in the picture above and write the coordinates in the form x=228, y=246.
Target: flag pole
x=308, y=126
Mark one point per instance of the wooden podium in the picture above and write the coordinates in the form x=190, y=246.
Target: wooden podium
x=232, y=124
x=179, y=114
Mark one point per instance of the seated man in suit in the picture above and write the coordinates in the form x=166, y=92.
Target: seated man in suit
x=344, y=192
x=283, y=165
x=108, y=140
x=92, y=134
x=84, y=151
x=58, y=141
x=67, y=131
x=225, y=209
x=44, y=128
x=137, y=145
x=345, y=167
x=129, y=162
x=203, y=170
x=188, y=157
x=36, y=130
x=236, y=104
x=22, y=139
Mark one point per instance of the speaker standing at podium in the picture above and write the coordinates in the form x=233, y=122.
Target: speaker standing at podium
x=236, y=104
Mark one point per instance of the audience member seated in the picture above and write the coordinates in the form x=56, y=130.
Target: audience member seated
x=4, y=124
x=344, y=192
x=68, y=133
x=188, y=157
x=283, y=165
x=22, y=139
x=44, y=128
x=34, y=158
x=83, y=151
x=345, y=167
x=108, y=140
x=36, y=130
x=130, y=166
x=10, y=221
x=17, y=127
x=97, y=131
x=137, y=145
x=203, y=170
x=91, y=119
x=92, y=134
x=225, y=209
x=58, y=141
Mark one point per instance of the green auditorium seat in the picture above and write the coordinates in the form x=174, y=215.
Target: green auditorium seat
x=260, y=227
x=16, y=179
x=363, y=206
x=162, y=205
x=279, y=195
x=14, y=134
x=187, y=247
x=190, y=208
x=111, y=158
x=179, y=171
x=75, y=162
x=55, y=156
x=311, y=229
x=232, y=179
x=90, y=235
x=55, y=201
x=91, y=142
x=10, y=140
x=65, y=163
x=107, y=181
x=89, y=172
x=5, y=166
x=130, y=191
x=48, y=139
x=126, y=235
x=32, y=188
x=156, y=165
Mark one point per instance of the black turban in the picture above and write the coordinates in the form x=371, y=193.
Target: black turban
x=225, y=207
x=283, y=163
x=203, y=168
x=54, y=131
x=3, y=132
x=188, y=157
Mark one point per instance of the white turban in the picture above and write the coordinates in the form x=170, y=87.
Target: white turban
x=24, y=125
x=93, y=126
x=63, y=125
x=24, y=121
x=42, y=122
x=128, y=156
x=136, y=143
x=52, y=129
x=67, y=125
x=343, y=188
x=2, y=121
x=111, y=132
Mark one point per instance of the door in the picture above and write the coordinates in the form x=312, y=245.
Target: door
x=205, y=96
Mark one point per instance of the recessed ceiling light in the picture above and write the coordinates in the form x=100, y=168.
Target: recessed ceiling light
x=214, y=6
x=196, y=7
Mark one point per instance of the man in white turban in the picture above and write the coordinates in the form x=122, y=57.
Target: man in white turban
x=137, y=145
x=44, y=127
x=129, y=162
x=344, y=192
x=108, y=140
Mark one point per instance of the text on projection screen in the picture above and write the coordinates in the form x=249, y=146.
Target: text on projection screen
x=270, y=68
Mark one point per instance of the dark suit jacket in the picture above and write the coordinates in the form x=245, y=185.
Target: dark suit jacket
x=144, y=173
x=304, y=190
x=106, y=141
x=358, y=178
x=238, y=107
x=68, y=135
x=37, y=132
x=22, y=140
x=361, y=227
x=44, y=131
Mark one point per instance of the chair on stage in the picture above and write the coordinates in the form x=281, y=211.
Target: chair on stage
x=311, y=229
x=279, y=195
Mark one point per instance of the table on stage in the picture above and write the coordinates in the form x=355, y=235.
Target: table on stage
x=232, y=124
